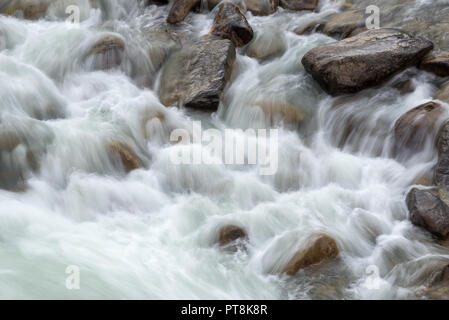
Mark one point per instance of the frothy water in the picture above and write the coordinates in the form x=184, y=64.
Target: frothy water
x=151, y=233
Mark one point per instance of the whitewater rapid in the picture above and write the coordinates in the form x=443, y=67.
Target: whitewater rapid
x=151, y=233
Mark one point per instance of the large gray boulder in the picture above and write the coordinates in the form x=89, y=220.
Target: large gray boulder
x=196, y=75
x=365, y=60
x=427, y=210
x=230, y=23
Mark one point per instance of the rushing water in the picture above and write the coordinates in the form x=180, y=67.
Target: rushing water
x=151, y=233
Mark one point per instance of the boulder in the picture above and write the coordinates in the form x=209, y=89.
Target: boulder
x=341, y=25
x=436, y=63
x=413, y=128
x=365, y=60
x=427, y=210
x=319, y=248
x=30, y=10
x=180, y=9
x=106, y=53
x=196, y=75
x=229, y=236
x=230, y=23
x=261, y=7
x=125, y=155
x=298, y=5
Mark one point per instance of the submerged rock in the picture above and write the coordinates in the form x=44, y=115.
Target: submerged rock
x=438, y=285
x=443, y=93
x=196, y=75
x=437, y=64
x=106, y=53
x=343, y=24
x=230, y=235
x=365, y=60
x=320, y=248
x=427, y=210
x=298, y=5
x=30, y=10
x=180, y=9
x=230, y=23
x=126, y=155
x=266, y=44
x=413, y=128
x=262, y=7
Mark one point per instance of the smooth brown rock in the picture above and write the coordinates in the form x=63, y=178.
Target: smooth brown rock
x=298, y=5
x=230, y=234
x=106, y=53
x=261, y=7
x=427, y=210
x=180, y=9
x=343, y=24
x=230, y=23
x=436, y=63
x=413, y=128
x=365, y=60
x=320, y=248
x=196, y=75
x=126, y=155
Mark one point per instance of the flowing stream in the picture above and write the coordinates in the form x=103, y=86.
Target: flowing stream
x=151, y=233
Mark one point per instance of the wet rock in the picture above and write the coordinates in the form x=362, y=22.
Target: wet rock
x=298, y=5
x=229, y=236
x=414, y=127
x=180, y=9
x=196, y=75
x=363, y=61
x=438, y=285
x=343, y=24
x=405, y=86
x=427, y=210
x=230, y=23
x=106, y=53
x=313, y=26
x=211, y=4
x=441, y=175
x=262, y=7
x=267, y=44
x=437, y=64
x=282, y=111
x=31, y=10
x=126, y=155
x=320, y=248
x=424, y=179
x=161, y=44
x=443, y=93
